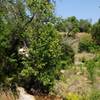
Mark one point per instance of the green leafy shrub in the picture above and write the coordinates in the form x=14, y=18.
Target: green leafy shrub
x=96, y=32
x=85, y=26
x=91, y=69
x=45, y=52
x=95, y=95
x=86, y=43
x=67, y=55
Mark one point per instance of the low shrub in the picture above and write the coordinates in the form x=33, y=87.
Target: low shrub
x=91, y=69
x=95, y=95
x=86, y=43
x=67, y=55
x=72, y=96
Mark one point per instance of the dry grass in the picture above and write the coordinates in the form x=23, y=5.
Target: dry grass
x=49, y=97
x=73, y=81
x=7, y=96
x=79, y=57
x=83, y=34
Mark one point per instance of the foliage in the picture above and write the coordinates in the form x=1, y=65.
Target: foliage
x=85, y=26
x=61, y=24
x=67, y=55
x=45, y=54
x=86, y=43
x=95, y=95
x=34, y=32
x=31, y=26
x=97, y=59
x=72, y=96
x=69, y=25
x=72, y=25
x=91, y=69
x=96, y=32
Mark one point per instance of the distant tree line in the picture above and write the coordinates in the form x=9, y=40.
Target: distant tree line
x=72, y=25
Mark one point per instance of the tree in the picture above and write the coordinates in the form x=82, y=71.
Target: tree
x=84, y=26
x=96, y=32
x=34, y=33
x=69, y=25
x=10, y=24
x=72, y=25
x=61, y=24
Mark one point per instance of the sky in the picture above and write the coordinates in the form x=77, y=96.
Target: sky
x=82, y=9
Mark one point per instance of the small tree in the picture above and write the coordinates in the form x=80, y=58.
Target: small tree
x=96, y=32
x=44, y=54
x=85, y=26
x=72, y=25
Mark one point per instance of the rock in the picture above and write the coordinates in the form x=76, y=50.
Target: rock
x=23, y=95
x=62, y=71
x=24, y=51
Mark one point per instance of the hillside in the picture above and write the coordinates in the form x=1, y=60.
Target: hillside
x=46, y=57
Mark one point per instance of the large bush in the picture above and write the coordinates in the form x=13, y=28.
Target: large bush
x=86, y=42
x=85, y=26
x=30, y=49
x=67, y=56
x=96, y=32
x=44, y=56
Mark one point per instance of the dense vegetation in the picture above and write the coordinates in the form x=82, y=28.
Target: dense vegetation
x=32, y=50
x=26, y=25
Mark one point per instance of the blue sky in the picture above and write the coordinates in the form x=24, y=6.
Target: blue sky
x=82, y=9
